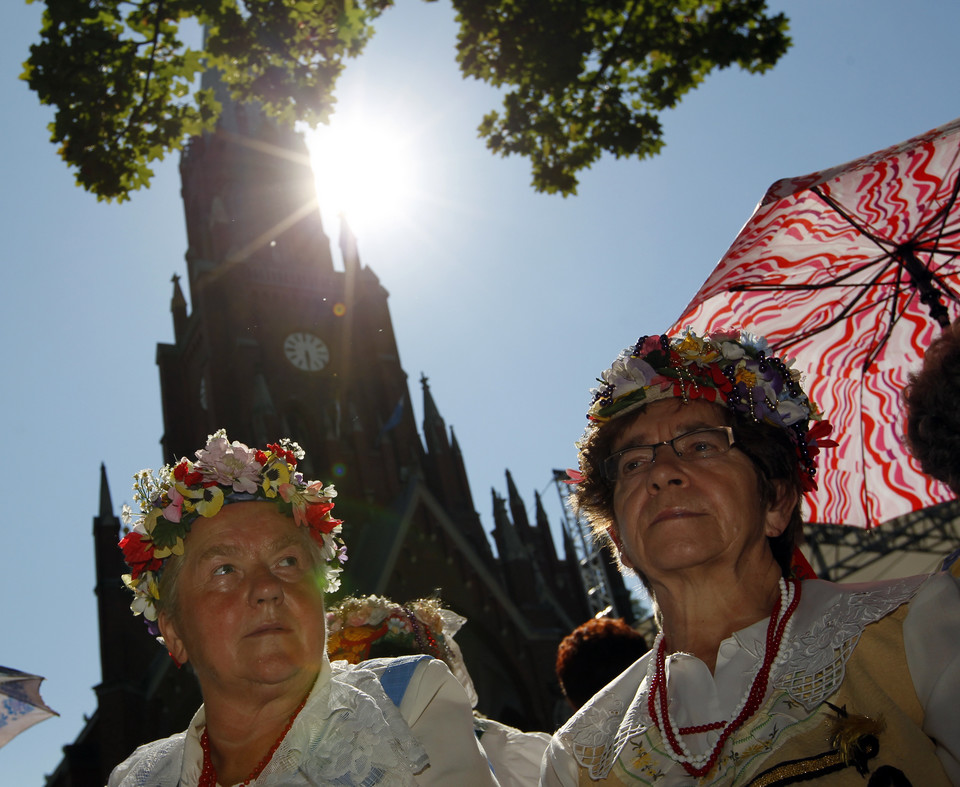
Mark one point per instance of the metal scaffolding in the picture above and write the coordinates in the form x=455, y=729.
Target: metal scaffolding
x=839, y=551
x=590, y=554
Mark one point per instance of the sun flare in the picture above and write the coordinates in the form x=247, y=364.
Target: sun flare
x=364, y=169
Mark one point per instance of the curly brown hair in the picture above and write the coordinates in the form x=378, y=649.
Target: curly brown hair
x=769, y=448
x=593, y=654
x=932, y=400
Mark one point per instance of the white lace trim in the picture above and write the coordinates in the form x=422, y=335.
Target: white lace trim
x=815, y=664
x=154, y=764
x=349, y=733
x=827, y=627
x=352, y=734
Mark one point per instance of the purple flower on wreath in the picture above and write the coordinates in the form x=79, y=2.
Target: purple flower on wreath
x=792, y=412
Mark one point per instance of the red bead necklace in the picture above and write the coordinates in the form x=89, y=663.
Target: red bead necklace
x=658, y=693
x=208, y=775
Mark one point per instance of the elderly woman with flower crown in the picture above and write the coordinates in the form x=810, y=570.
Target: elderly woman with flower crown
x=230, y=557
x=694, y=463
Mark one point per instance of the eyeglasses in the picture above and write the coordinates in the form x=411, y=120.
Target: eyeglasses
x=690, y=446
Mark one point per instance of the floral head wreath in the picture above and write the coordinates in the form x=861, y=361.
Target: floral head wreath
x=223, y=473
x=355, y=624
x=735, y=369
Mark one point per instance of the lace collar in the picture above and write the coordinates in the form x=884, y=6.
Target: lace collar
x=348, y=733
x=828, y=624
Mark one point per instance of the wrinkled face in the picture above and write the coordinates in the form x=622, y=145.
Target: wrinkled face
x=249, y=608
x=677, y=515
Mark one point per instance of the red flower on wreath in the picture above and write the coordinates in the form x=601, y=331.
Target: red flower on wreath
x=138, y=553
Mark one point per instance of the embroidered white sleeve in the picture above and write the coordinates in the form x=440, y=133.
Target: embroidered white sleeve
x=599, y=731
x=156, y=764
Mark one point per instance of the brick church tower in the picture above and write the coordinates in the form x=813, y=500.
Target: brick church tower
x=277, y=342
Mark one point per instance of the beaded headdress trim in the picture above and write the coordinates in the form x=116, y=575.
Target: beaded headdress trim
x=736, y=369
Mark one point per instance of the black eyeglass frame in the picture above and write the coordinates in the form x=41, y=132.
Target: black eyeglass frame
x=611, y=463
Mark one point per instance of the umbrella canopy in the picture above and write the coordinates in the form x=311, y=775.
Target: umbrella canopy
x=20, y=703
x=852, y=271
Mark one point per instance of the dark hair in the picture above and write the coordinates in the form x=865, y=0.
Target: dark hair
x=770, y=448
x=932, y=400
x=593, y=654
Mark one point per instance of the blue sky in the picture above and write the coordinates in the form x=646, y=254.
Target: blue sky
x=510, y=302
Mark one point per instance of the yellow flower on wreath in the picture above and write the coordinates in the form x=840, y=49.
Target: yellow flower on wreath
x=747, y=377
x=275, y=475
x=695, y=348
x=205, y=500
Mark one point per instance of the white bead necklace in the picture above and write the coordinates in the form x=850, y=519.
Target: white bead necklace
x=778, y=630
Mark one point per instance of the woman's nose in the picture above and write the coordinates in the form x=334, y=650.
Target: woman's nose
x=667, y=469
x=265, y=587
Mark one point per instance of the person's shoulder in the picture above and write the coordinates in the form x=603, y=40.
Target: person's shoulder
x=608, y=705
x=156, y=763
x=390, y=664
x=883, y=593
x=939, y=590
x=397, y=676
x=595, y=726
x=845, y=609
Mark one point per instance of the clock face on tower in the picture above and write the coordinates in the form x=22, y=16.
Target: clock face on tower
x=306, y=351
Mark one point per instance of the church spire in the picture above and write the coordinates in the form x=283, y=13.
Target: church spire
x=106, y=504
x=509, y=545
x=434, y=427
x=519, y=512
x=543, y=529
x=178, y=308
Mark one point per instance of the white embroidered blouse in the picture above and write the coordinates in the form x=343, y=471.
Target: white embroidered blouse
x=826, y=627
x=349, y=733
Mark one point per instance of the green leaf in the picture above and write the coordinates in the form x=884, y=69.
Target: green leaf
x=580, y=79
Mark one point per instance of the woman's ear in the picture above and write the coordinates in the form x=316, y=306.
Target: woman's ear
x=172, y=640
x=780, y=510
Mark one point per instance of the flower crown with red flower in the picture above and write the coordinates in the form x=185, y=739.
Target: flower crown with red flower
x=736, y=369
x=223, y=473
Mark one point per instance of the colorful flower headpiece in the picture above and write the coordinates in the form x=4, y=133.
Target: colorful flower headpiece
x=355, y=624
x=223, y=473
x=736, y=369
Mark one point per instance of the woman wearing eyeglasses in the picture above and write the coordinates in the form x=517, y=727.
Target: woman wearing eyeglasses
x=697, y=455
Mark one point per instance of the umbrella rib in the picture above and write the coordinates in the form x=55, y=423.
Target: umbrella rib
x=892, y=320
x=845, y=311
x=941, y=216
x=880, y=242
x=838, y=281
x=942, y=212
x=921, y=277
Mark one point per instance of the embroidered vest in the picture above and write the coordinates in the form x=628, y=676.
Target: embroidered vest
x=783, y=744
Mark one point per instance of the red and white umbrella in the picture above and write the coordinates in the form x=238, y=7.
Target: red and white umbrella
x=852, y=270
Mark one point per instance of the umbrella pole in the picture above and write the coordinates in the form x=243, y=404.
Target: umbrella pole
x=922, y=279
